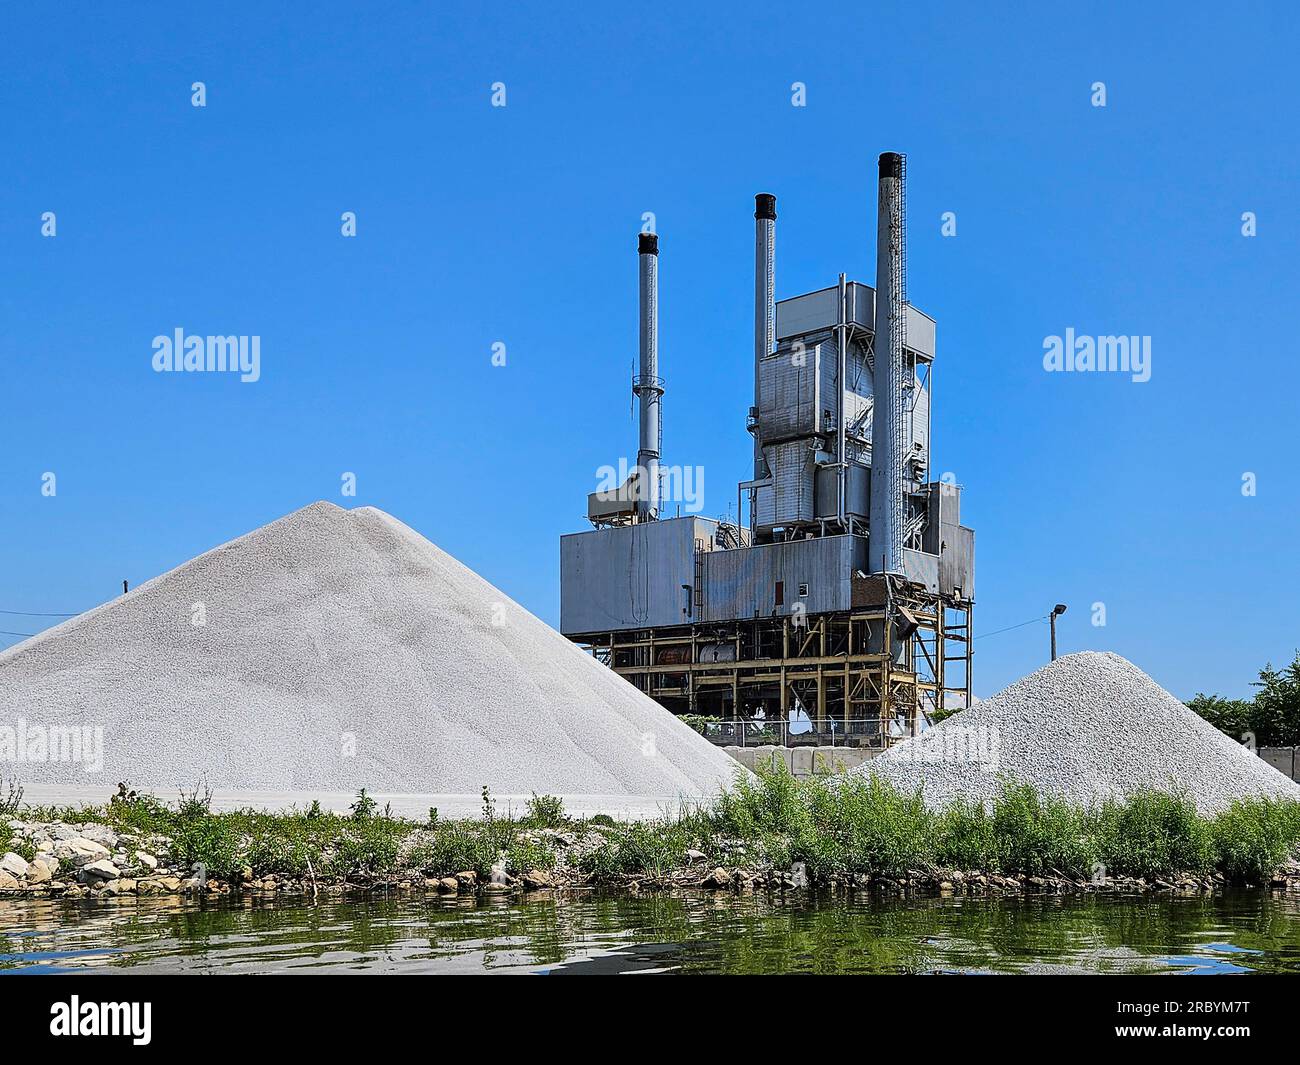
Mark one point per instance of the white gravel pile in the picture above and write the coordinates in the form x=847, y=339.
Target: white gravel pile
x=332, y=650
x=1088, y=727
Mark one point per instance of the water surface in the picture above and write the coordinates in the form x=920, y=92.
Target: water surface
x=655, y=933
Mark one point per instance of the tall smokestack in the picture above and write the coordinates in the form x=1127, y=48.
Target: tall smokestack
x=647, y=386
x=885, y=541
x=764, y=308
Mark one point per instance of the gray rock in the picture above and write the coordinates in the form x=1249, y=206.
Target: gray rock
x=14, y=864
x=79, y=850
x=39, y=873
x=100, y=870
x=101, y=834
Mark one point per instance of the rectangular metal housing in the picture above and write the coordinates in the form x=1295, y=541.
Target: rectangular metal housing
x=923, y=568
x=798, y=391
x=791, y=498
x=815, y=311
x=857, y=494
x=957, y=563
x=742, y=584
x=631, y=576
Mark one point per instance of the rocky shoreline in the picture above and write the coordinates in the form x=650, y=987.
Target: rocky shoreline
x=92, y=860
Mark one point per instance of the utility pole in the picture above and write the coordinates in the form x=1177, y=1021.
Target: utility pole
x=1057, y=611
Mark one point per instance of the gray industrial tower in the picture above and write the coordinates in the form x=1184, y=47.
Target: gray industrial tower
x=841, y=610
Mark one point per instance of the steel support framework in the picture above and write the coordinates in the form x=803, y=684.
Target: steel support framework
x=829, y=665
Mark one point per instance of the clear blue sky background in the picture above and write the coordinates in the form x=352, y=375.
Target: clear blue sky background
x=518, y=225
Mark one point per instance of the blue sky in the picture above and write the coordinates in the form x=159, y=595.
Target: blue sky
x=518, y=224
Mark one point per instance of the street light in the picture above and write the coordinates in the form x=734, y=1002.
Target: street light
x=1057, y=611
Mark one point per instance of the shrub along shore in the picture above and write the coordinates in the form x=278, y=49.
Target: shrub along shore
x=770, y=833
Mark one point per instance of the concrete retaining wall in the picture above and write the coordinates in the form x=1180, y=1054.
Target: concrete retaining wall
x=803, y=761
x=1285, y=760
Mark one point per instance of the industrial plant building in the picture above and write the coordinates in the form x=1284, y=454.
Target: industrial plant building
x=837, y=607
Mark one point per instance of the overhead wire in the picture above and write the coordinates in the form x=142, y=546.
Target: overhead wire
x=1021, y=625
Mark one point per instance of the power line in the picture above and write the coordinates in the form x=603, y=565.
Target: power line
x=1010, y=627
x=32, y=614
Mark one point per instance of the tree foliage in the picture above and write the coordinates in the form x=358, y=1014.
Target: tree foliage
x=1272, y=716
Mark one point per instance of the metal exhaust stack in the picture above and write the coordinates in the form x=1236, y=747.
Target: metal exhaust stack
x=886, y=533
x=647, y=385
x=764, y=309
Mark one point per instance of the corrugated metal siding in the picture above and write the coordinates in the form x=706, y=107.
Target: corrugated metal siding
x=821, y=309
x=741, y=584
x=790, y=396
x=788, y=421
x=793, y=472
x=629, y=577
x=919, y=418
x=857, y=392
x=943, y=513
x=922, y=568
x=790, y=392
x=859, y=491
x=920, y=331
x=957, y=563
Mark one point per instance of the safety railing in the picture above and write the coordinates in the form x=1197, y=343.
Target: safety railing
x=833, y=732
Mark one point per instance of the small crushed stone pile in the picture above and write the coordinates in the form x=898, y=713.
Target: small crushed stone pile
x=340, y=649
x=1088, y=727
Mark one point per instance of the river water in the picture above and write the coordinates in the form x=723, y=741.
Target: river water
x=696, y=932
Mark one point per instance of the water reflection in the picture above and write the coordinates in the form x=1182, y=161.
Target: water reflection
x=594, y=933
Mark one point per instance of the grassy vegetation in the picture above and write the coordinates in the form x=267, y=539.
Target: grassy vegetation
x=840, y=827
x=856, y=825
x=366, y=842
x=1254, y=837
x=859, y=826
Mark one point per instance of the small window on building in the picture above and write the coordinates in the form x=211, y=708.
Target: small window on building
x=778, y=593
x=803, y=590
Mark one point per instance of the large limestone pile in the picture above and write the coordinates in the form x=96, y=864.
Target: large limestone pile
x=1088, y=727
x=340, y=649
